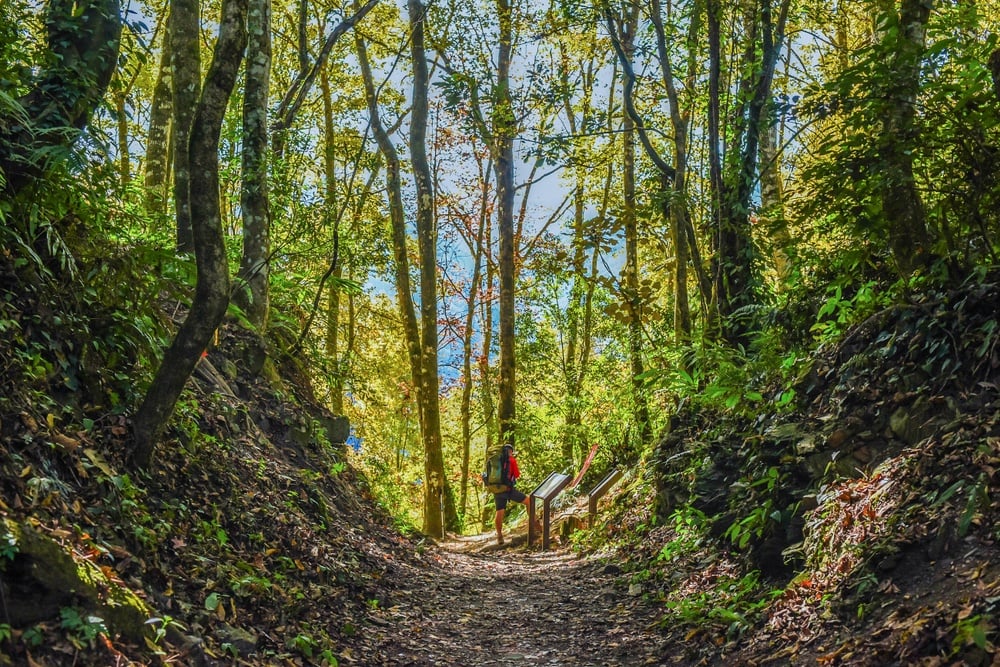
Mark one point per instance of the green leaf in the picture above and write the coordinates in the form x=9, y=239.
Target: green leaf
x=952, y=490
x=212, y=602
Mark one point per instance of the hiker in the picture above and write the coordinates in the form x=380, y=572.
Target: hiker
x=510, y=475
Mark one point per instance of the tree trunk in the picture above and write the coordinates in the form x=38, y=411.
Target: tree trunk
x=676, y=206
x=736, y=280
x=578, y=309
x=772, y=201
x=121, y=127
x=157, y=166
x=902, y=204
x=211, y=295
x=437, y=492
x=252, y=294
x=332, y=341
x=485, y=372
x=630, y=272
x=82, y=44
x=476, y=248
x=397, y=217
x=185, y=66
x=504, y=131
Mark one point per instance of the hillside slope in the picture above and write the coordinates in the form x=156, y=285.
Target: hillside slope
x=856, y=525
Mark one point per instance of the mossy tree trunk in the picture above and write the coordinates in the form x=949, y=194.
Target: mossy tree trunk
x=252, y=294
x=185, y=76
x=156, y=175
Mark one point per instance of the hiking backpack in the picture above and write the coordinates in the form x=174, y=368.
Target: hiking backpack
x=495, y=477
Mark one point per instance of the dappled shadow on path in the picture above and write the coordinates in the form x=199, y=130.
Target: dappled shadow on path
x=511, y=607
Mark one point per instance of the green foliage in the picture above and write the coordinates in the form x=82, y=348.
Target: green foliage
x=8, y=546
x=756, y=521
x=81, y=628
x=310, y=647
x=844, y=173
x=729, y=603
x=973, y=630
x=33, y=636
x=161, y=627
x=690, y=528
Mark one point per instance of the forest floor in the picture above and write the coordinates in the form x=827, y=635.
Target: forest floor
x=511, y=606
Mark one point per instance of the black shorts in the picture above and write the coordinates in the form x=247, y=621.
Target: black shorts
x=501, y=498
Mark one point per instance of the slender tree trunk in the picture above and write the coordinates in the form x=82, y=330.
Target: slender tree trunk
x=630, y=272
x=185, y=65
x=437, y=492
x=397, y=217
x=476, y=248
x=121, y=127
x=211, y=295
x=252, y=294
x=503, y=136
x=676, y=206
x=485, y=371
x=736, y=281
x=158, y=143
x=576, y=356
x=902, y=204
x=333, y=294
x=772, y=201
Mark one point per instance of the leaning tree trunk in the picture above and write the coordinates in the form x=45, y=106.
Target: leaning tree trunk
x=251, y=294
x=397, y=218
x=332, y=338
x=82, y=43
x=211, y=295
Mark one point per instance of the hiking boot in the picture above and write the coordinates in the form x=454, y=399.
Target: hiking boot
x=500, y=540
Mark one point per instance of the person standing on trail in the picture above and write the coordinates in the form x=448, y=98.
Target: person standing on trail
x=511, y=473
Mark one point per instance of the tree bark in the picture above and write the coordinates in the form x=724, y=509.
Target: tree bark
x=579, y=309
x=902, y=204
x=121, y=127
x=477, y=250
x=630, y=271
x=158, y=144
x=332, y=340
x=211, y=295
x=397, y=217
x=252, y=294
x=504, y=131
x=437, y=492
x=185, y=65
x=676, y=206
x=736, y=280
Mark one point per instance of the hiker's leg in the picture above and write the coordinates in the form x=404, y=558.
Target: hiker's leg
x=498, y=522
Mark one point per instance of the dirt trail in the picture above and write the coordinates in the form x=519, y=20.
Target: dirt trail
x=507, y=607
